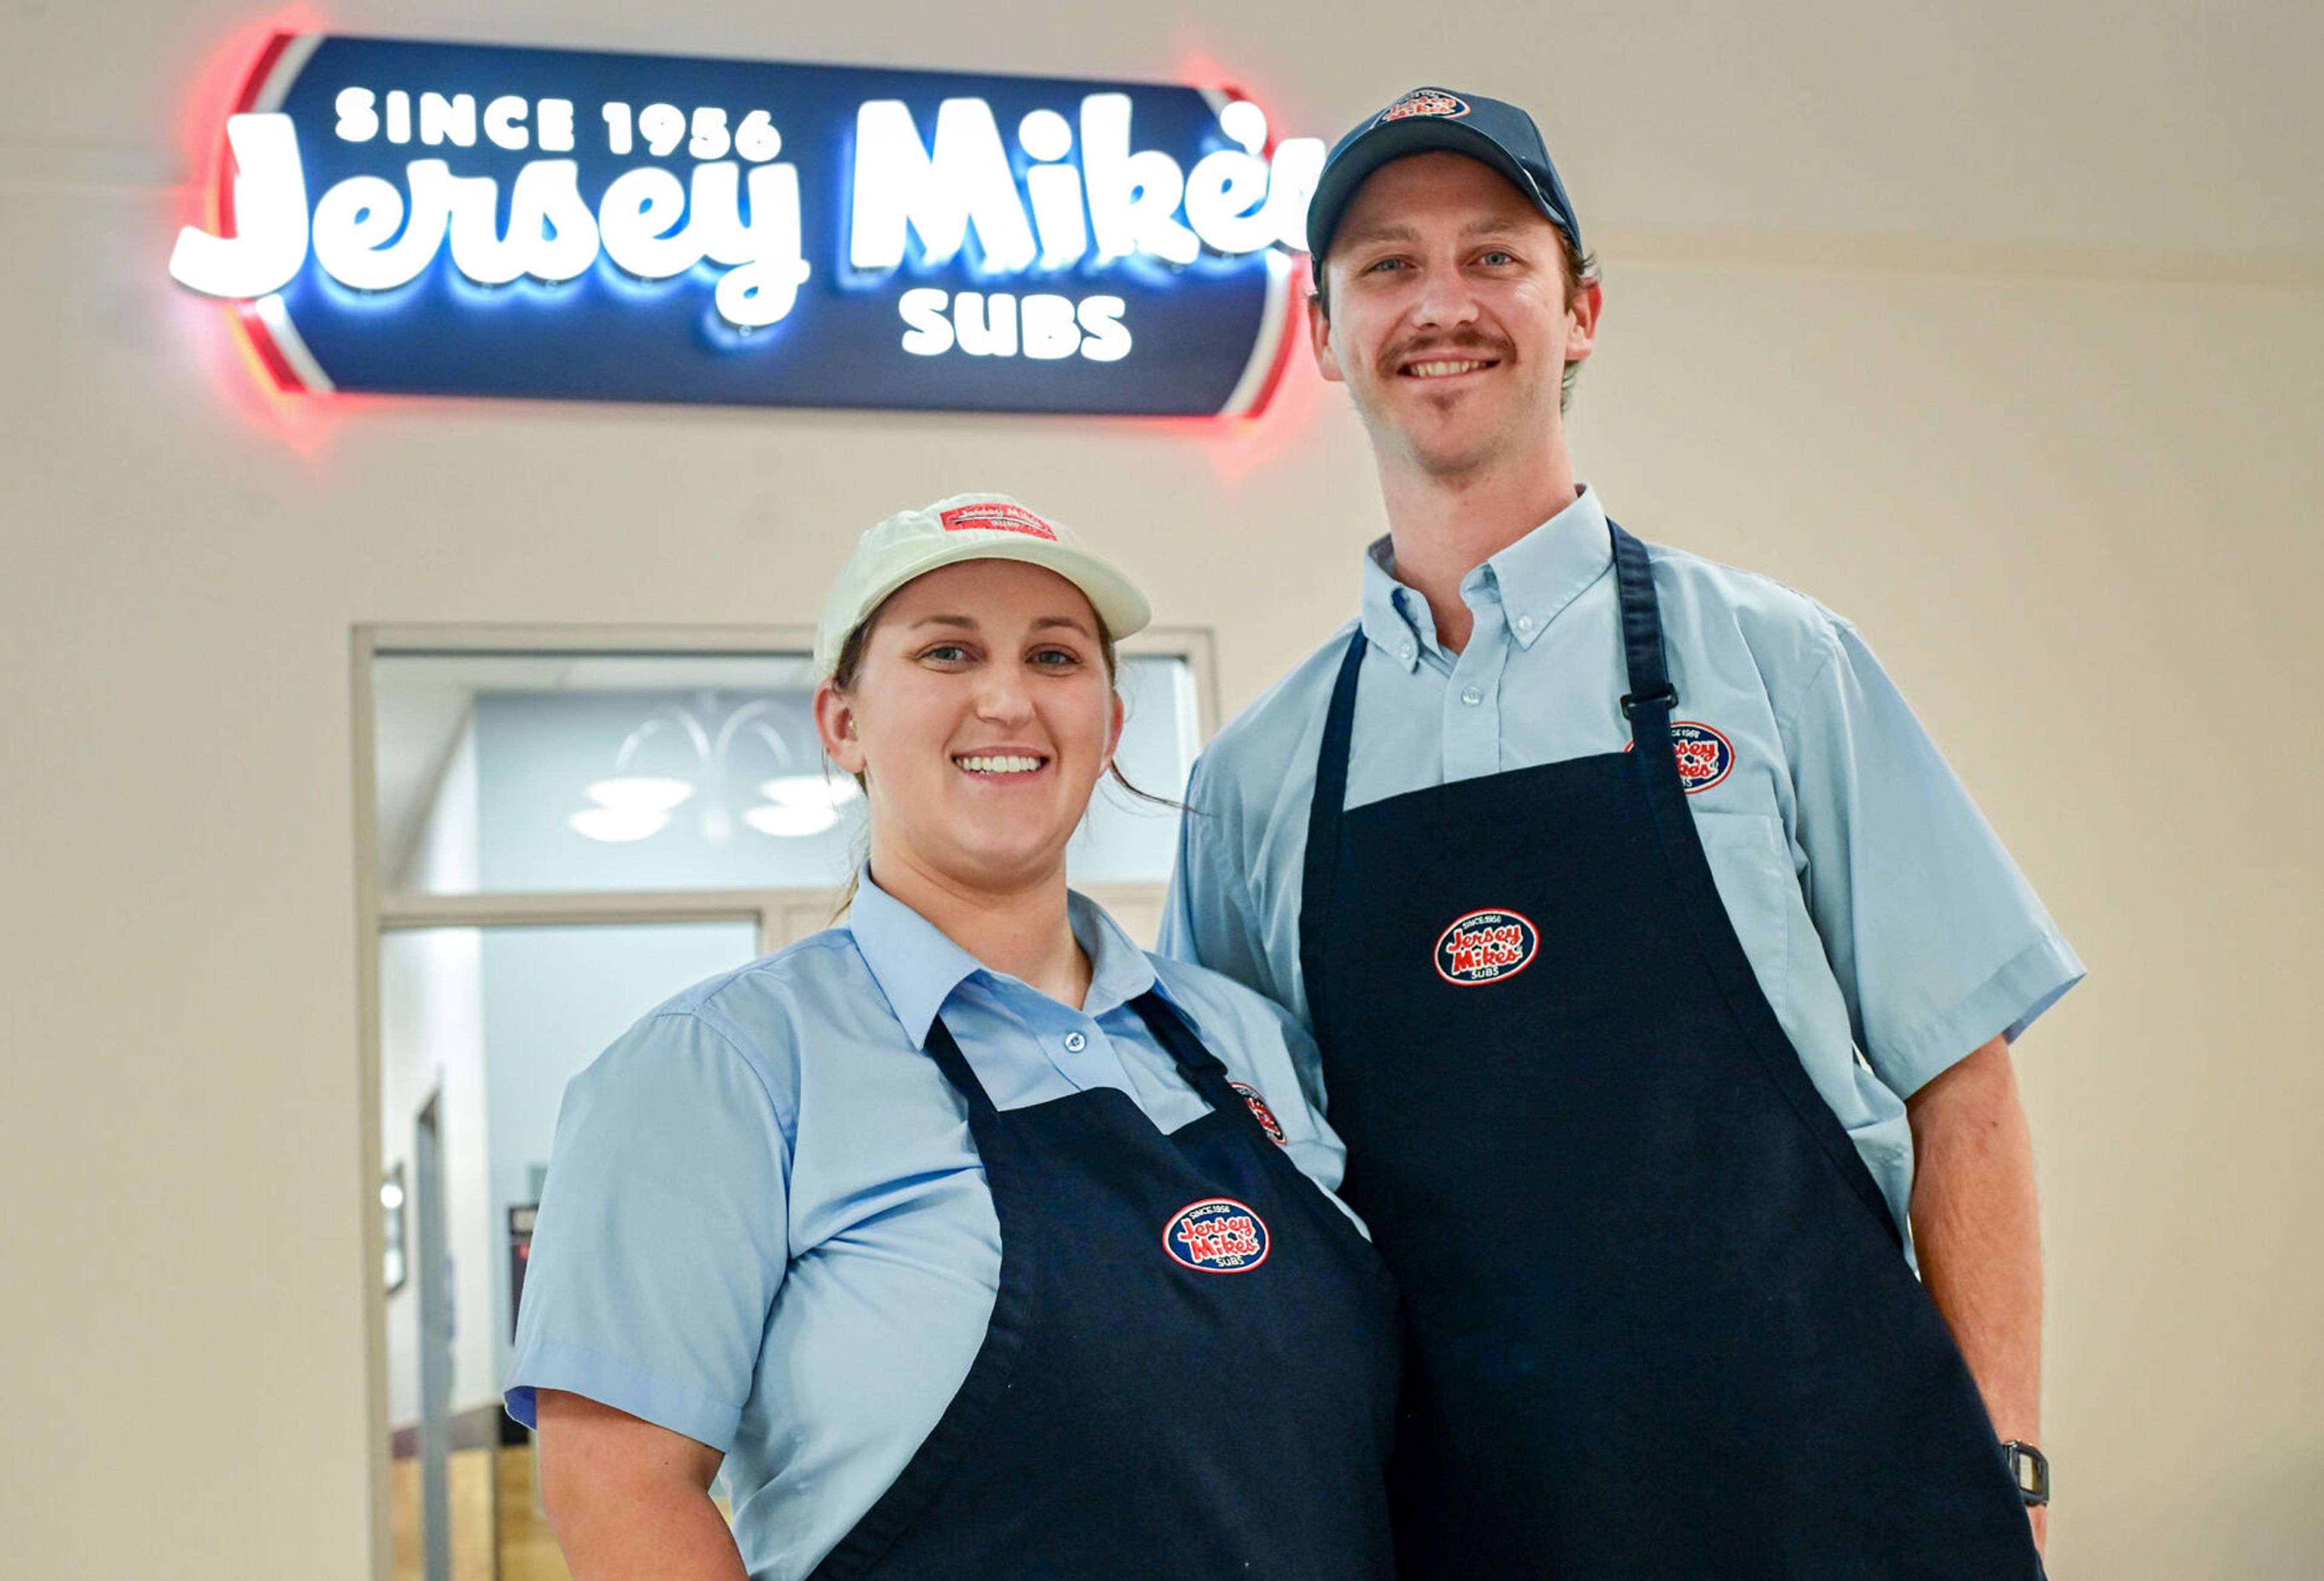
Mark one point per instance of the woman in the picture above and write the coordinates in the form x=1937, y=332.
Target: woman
x=965, y=1233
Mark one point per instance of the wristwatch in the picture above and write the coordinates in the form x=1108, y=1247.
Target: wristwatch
x=2029, y=1468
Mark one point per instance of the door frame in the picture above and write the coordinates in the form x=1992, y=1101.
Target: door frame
x=780, y=915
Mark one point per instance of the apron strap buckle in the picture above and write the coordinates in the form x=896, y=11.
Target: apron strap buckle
x=1665, y=696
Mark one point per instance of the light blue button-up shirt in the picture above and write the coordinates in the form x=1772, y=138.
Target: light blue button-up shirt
x=1879, y=910
x=766, y=1227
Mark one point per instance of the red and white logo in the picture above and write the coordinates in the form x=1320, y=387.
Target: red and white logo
x=1215, y=1235
x=1486, y=946
x=1261, y=1113
x=1705, y=757
x=1424, y=101
x=997, y=518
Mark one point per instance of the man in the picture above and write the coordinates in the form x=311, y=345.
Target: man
x=1648, y=943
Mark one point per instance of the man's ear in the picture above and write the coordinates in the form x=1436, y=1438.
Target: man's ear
x=1582, y=332
x=1319, y=336
x=835, y=725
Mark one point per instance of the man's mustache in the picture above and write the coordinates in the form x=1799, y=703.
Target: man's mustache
x=1441, y=348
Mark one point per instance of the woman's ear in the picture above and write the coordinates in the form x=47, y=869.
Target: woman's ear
x=1113, y=737
x=834, y=724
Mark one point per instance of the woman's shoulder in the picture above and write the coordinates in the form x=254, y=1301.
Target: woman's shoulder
x=1250, y=1024
x=770, y=1014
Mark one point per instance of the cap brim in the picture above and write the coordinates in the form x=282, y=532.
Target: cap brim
x=1399, y=140
x=1117, y=600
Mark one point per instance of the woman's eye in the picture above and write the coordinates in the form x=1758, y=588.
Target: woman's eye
x=1056, y=658
x=946, y=654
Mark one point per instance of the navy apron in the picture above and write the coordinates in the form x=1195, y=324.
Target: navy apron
x=1660, y=1320
x=1190, y=1370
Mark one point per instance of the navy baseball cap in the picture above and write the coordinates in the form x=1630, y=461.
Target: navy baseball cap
x=1431, y=118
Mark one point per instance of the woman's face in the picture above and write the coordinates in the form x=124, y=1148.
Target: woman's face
x=981, y=715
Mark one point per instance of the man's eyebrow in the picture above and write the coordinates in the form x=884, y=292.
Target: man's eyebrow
x=1495, y=225
x=1369, y=235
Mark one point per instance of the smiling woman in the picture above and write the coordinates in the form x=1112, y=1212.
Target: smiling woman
x=902, y=1197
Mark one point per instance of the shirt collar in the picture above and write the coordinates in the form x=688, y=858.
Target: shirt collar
x=917, y=968
x=1535, y=578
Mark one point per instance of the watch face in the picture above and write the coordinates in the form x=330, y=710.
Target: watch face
x=2030, y=1468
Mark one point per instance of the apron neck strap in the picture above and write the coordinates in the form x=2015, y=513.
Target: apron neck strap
x=1648, y=702
x=945, y=1050
x=1201, y=1068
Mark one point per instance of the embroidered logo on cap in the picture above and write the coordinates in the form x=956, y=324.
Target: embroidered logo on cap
x=1486, y=946
x=1261, y=1113
x=1424, y=101
x=997, y=518
x=1705, y=757
x=1215, y=1235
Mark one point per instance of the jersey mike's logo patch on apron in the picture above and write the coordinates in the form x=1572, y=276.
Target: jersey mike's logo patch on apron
x=1486, y=946
x=1260, y=1112
x=1705, y=757
x=1216, y=1235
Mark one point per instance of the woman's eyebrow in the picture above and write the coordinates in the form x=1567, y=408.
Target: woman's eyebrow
x=964, y=623
x=1066, y=621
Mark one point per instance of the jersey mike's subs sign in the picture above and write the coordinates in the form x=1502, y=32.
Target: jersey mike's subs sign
x=425, y=218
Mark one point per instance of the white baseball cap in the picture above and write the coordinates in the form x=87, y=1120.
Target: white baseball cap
x=966, y=527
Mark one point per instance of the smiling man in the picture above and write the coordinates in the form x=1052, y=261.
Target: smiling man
x=1664, y=975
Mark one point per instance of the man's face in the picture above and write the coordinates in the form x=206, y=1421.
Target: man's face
x=1448, y=319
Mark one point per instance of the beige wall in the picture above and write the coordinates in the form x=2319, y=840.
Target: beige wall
x=2001, y=335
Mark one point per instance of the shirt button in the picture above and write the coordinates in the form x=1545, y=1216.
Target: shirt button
x=1472, y=697
x=1405, y=652
x=1075, y=1042
x=1525, y=622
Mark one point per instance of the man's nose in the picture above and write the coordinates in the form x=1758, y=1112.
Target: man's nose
x=1445, y=300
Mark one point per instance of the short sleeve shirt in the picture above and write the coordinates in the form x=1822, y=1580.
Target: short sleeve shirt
x=1889, y=929
x=765, y=1225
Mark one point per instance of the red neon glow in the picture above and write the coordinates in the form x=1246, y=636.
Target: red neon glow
x=228, y=85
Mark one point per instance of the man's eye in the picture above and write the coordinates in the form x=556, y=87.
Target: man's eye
x=1384, y=264
x=1497, y=258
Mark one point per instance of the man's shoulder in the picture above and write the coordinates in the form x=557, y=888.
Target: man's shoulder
x=1710, y=602
x=1280, y=728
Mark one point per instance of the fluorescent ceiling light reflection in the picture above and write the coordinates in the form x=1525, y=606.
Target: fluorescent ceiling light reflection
x=617, y=823
x=790, y=823
x=639, y=793
x=816, y=791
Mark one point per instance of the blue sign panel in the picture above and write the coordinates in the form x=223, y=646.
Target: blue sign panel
x=425, y=218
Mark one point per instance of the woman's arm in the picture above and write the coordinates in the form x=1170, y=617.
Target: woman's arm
x=628, y=1499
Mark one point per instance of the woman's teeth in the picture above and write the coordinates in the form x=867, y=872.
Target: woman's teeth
x=998, y=765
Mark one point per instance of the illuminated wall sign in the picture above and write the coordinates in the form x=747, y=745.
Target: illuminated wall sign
x=429, y=219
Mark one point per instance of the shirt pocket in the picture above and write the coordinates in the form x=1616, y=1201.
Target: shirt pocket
x=1750, y=862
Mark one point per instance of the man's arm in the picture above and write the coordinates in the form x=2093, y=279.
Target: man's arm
x=627, y=1499
x=1978, y=1236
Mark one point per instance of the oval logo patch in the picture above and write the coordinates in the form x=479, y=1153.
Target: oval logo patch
x=1215, y=1235
x=1486, y=946
x=1705, y=757
x=1261, y=1113
x=1424, y=101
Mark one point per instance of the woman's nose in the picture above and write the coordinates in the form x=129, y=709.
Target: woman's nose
x=1003, y=697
